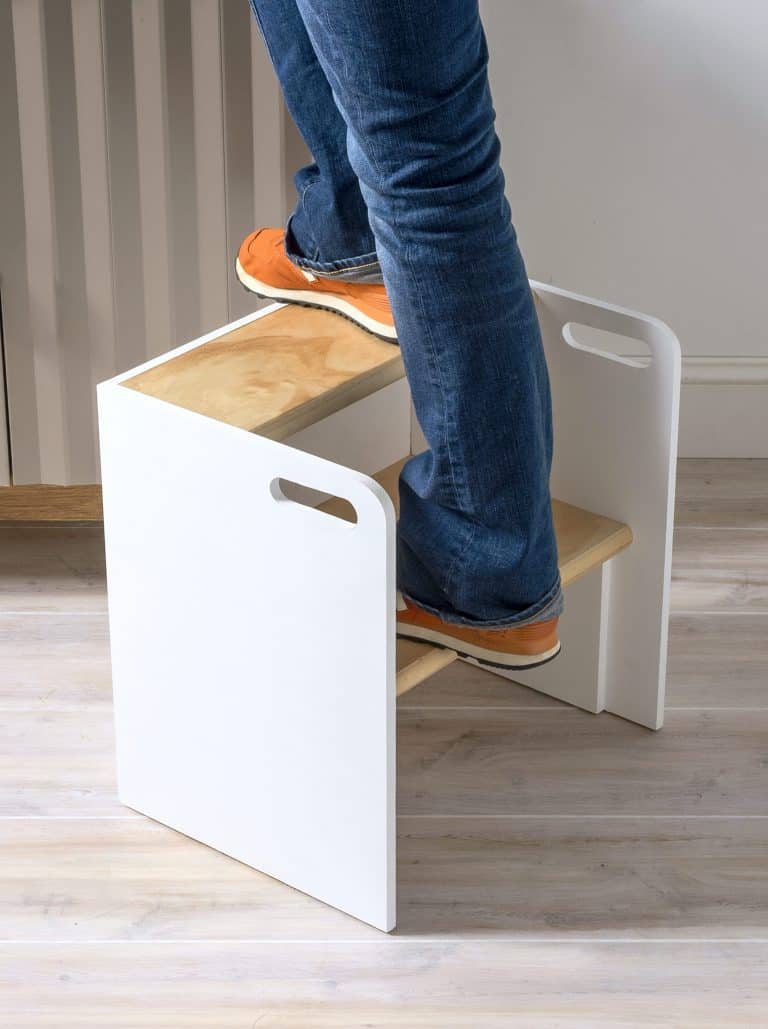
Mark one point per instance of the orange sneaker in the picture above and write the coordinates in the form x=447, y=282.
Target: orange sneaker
x=264, y=268
x=523, y=647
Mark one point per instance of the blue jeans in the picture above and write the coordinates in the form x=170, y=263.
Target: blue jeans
x=392, y=99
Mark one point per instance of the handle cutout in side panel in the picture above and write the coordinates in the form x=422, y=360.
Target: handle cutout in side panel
x=328, y=504
x=626, y=350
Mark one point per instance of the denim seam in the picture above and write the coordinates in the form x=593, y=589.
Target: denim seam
x=466, y=544
x=428, y=332
x=435, y=362
x=447, y=423
x=443, y=391
x=301, y=204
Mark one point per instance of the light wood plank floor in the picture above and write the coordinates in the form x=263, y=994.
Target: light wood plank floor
x=555, y=869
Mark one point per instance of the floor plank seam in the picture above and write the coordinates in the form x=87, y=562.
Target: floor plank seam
x=579, y=816
x=543, y=708
x=710, y=612
x=501, y=816
x=401, y=940
x=723, y=528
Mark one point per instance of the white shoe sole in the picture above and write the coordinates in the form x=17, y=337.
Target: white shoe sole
x=477, y=654
x=325, y=301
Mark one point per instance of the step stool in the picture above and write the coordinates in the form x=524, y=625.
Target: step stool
x=250, y=491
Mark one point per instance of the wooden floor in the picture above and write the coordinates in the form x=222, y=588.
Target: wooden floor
x=555, y=868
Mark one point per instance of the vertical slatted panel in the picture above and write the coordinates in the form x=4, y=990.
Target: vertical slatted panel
x=40, y=234
x=142, y=139
x=90, y=91
x=76, y=379
x=123, y=171
x=238, y=145
x=182, y=169
x=207, y=82
x=269, y=124
x=5, y=463
x=13, y=281
x=152, y=122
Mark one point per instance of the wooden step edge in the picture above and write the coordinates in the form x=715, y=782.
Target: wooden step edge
x=419, y=661
x=50, y=504
x=578, y=566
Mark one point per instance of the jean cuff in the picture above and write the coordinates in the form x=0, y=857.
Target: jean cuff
x=363, y=268
x=550, y=606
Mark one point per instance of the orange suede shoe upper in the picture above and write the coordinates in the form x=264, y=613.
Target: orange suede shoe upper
x=263, y=257
x=527, y=640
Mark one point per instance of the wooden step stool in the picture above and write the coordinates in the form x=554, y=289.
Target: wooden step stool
x=252, y=618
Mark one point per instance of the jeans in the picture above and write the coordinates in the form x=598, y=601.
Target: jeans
x=392, y=99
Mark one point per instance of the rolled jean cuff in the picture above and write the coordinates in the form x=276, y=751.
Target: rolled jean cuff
x=363, y=268
x=550, y=606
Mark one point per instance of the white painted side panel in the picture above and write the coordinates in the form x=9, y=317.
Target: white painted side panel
x=578, y=675
x=616, y=425
x=615, y=453
x=253, y=650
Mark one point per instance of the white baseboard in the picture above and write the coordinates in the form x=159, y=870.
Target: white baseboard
x=724, y=407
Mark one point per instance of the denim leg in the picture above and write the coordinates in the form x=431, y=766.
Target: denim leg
x=475, y=543
x=329, y=230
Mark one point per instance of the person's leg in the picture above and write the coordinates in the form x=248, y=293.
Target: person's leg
x=476, y=542
x=329, y=229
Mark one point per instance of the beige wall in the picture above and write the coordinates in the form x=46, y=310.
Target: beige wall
x=635, y=144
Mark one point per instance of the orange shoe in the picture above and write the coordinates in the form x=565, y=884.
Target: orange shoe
x=264, y=268
x=524, y=647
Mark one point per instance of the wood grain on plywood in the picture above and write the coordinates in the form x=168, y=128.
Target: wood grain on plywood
x=277, y=374
x=50, y=504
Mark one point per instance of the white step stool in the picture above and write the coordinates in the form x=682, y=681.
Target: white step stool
x=253, y=637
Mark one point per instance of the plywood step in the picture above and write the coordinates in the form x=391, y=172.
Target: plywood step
x=584, y=541
x=278, y=374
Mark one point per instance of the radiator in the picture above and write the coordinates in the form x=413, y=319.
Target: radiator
x=140, y=140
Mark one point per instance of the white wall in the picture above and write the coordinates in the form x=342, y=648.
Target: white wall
x=635, y=145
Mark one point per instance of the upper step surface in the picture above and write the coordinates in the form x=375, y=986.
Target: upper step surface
x=278, y=374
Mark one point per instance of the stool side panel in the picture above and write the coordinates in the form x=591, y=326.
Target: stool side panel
x=615, y=452
x=253, y=650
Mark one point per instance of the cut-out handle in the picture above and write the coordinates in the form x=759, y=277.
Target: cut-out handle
x=332, y=506
x=622, y=349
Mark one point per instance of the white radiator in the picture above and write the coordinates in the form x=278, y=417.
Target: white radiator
x=140, y=140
